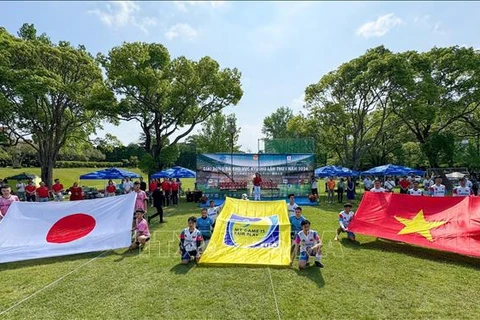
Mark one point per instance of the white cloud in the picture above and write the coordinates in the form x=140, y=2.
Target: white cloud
x=425, y=21
x=181, y=30
x=379, y=27
x=118, y=14
x=185, y=5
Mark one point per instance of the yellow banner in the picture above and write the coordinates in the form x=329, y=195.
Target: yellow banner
x=250, y=232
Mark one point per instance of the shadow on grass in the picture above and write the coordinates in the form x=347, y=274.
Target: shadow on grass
x=313, y=274
x=182, y=268
x=355, y=245
x=424, y=253
x=53, y=260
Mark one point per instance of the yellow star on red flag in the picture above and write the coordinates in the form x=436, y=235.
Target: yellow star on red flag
x=419, y=225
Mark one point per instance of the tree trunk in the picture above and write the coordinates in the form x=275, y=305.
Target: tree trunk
x=47, y=172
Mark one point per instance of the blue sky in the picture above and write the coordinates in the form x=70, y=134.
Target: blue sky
x=280, y=47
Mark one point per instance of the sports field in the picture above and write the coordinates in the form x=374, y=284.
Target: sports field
x=376, y=279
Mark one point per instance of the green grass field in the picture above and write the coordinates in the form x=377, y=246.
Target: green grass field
x=377, y=279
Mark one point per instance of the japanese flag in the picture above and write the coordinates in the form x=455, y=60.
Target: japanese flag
x=34, y=230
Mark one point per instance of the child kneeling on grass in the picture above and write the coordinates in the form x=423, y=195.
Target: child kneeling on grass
x=309, y=244
x=141, y=229
x=191, y=241
x=344, y=219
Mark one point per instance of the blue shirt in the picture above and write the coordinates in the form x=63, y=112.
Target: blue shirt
x=205, y=226
x=296, y=223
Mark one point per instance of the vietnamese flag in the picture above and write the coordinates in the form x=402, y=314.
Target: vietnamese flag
x=443, y=223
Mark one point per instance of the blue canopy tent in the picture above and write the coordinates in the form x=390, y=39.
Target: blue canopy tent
x=334, y=171
x=110, y=173
x=175, y=172
x=392, y=170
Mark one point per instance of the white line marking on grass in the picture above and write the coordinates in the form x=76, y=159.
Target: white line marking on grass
x=274, y=295
x=51, y=284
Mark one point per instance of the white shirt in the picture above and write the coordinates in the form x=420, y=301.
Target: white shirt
x=437, y=191
x=469, y=184
x=314, y=184
x=212, y=213
x=306, y=241
x=414, y=192
x=377, y=190
x=128, y=186
x=462, y=191
x=190, y=240
x=291, y=209
x=20, y=187
x=389, y=185
x=367, y=183
x=345, y=218
x=427, y=183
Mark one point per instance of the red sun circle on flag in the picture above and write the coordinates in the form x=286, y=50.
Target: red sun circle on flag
x=71, y=228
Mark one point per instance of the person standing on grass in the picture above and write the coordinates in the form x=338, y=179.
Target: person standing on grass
x=21, y=190
x=389, y=184
x=340, y=190
x=110, y=189
x=344, y=219
x=30, y=191
x=205, y=226
x=296, y=224
x=6, y=200
x=350, y=188
x=213, y=211
x=174, y=186
x=128, y=185
x=57, y=190
x=330, y=189
x=142, y=232
x=191, y=241
x=438, y=189
x=314, y=185
x=291, y=206
x=76, y=192
x=462, y=190
x=404, y=185
x=42, y=192
x=367, y=183
x=152, y=186
x=166, y=192
x=141, y=200
x=309, y=244
x=257, y=186
x=415, y=191
x=158, y=199
x=377, y=187
x=143, y=185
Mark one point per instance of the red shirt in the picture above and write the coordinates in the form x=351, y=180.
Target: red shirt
x=76, y=193
x=174, y=186
x=30, y=188
x=42, y=192
x=57, y=187
x=257, y=181
x=404, y=184
x=152, y=186
x=111, y=189
x=166, y=186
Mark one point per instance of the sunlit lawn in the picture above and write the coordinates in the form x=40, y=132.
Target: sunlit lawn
x=376, y=279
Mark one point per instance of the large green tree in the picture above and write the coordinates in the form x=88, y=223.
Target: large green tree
x=344, y=100
x=434, y=90
x=275, y=125
x=49, y=92
x=168, y=98
x=218, y=134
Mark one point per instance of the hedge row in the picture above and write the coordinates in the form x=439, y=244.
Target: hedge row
x=87, y=164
